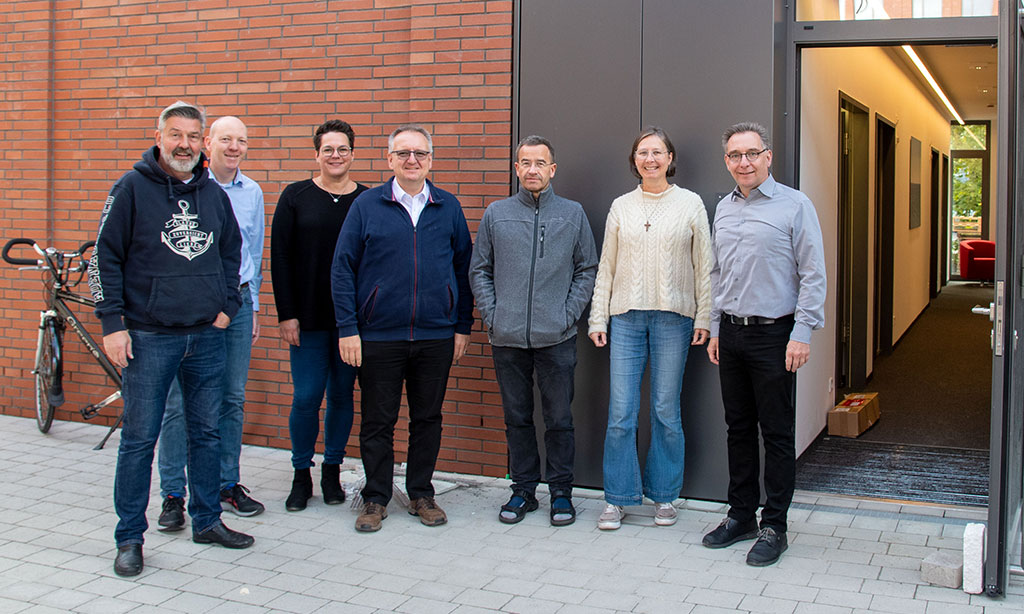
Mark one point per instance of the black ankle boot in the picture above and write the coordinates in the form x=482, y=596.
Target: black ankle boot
x=302, y=490
x=330, y=484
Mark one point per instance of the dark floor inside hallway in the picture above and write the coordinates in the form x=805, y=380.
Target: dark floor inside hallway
x=931, y=443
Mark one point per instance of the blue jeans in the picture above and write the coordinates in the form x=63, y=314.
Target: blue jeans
x=317, y=368
x=198, y=360
x=173, y=451
x=554, y=367
x=664, y=338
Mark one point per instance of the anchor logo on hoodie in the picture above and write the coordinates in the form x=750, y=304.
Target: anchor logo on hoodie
x=184, y=239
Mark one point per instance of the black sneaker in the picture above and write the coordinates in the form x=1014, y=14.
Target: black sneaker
x=768, y=548
x=172, y=516
x=237, y=501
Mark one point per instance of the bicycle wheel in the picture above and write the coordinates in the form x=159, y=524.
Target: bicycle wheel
x=46, y=372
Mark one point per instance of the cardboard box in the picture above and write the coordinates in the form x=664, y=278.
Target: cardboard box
x=854, y=415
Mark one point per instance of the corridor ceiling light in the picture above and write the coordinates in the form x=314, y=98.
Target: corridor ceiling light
x=931, y=81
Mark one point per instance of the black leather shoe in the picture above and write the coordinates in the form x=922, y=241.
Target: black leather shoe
x=220, y=534
x=729, y=532
x=768, y=548
x=129, y=560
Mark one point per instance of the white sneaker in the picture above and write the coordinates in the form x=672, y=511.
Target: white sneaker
x=664, y=514
x=611, y=518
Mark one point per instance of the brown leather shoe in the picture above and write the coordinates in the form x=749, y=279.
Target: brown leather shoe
x=428, y=511
x=371, y=518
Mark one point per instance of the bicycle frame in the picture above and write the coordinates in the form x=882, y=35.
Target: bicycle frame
x=63, y=313
x=58, y=280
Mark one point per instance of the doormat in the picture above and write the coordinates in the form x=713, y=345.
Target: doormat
x=952, y=476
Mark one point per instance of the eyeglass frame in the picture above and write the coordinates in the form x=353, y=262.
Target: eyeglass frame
x=643, y=154
x=751, y=156
x=404, y=154
x=343, y=152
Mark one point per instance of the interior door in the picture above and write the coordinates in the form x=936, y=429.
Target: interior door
x=1004, y=526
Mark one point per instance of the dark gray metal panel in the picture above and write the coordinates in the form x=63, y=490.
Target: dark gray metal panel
x=704, y=70
x=578, y=79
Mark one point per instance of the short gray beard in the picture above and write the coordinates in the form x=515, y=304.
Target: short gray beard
x=174, y=163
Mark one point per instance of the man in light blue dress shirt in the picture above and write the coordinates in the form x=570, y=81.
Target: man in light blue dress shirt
x=768, y=288
x=227, y=145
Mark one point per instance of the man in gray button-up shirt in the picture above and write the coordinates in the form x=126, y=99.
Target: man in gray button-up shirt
x=768, y=288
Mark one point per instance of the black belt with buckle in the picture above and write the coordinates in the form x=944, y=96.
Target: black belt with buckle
x=753, y=320
x=243, y=286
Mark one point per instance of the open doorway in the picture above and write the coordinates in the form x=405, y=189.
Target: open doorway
x=901, y=328
x=852, y=253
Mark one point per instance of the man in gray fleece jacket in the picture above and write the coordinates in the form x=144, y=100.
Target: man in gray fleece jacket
x=532, y=274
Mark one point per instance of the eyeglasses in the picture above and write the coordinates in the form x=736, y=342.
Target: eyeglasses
x=328, y=152
x=641, y=154
x=751, y=156
x=540, y=165
x=403, y=155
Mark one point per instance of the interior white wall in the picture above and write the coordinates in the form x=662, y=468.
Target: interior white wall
x=874, y=80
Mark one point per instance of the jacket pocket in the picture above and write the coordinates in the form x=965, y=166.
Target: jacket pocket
x=437, y=308
x=186, y=300
x=366, y=309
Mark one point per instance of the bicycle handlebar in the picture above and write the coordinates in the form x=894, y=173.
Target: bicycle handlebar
x=20, y=261
x=5, y=254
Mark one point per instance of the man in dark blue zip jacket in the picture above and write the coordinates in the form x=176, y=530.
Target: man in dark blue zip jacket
x=404, y=309
x=164, y=275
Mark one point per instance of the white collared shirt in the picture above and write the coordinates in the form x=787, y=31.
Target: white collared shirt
x=414, y=204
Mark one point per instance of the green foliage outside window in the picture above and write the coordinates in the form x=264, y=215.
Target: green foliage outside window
x=969, y=136
x=967, y=179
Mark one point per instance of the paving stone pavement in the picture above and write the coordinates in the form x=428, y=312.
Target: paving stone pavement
x=846, y=556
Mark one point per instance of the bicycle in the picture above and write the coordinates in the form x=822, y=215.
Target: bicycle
x=61, y=274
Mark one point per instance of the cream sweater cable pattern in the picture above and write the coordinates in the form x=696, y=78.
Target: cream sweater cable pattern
x=666, y=267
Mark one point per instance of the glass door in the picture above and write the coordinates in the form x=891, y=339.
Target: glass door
x=1007, y=450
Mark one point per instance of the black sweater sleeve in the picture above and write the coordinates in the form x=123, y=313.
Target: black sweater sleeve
x=281, y=240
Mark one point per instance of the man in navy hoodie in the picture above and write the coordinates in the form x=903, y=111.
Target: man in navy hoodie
x=400, y=281
x=164, y=275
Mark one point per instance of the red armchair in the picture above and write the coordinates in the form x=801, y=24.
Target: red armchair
x=977, y=260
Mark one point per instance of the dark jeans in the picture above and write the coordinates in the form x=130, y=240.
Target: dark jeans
x=423, y=366
x=757, y=390
x=555, y=366
x=197, y=360
x=173, y=449
x=317, y=368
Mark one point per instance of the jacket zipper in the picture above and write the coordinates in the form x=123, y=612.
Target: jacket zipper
x=533, y=269
x=415, y=284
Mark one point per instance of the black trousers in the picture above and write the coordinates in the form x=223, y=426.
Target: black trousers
x=758, y=392
x=423, y=367
x=554, y=367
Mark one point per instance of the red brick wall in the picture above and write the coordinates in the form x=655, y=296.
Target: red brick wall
x=83, y=84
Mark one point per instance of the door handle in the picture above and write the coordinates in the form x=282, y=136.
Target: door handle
x=983, y=311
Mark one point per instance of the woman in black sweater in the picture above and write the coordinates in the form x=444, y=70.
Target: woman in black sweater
x=305, y=229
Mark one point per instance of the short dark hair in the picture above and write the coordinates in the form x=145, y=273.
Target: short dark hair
x=532, y=141
x=754, y=127
x=181, y=109
x=658, y=132
x=334, y=125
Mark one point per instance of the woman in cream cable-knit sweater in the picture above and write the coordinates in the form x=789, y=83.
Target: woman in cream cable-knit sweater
x=653, y=282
